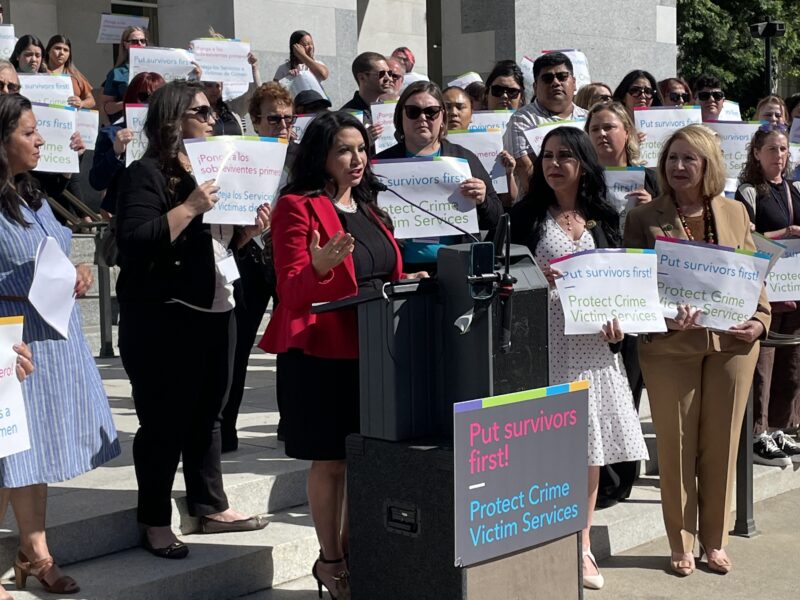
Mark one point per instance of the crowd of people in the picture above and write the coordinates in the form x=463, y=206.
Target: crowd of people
x=183, y=283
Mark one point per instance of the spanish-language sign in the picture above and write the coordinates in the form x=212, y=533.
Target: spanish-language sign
x=112, y=26
x=487, y=146
x=724, y=283
x=13, y=420
x=56, y=125
x=536, y=135
x=87, y=122
x=734, y=138
x=520, y=470
x=223, y=60
x=462, y=81
x=774, y=248
x=490, y=119
x=580, y=66
x=383, y=114
x=434, y=184
x=730, y=111
x=660, y=122
x=783, y=282
x=170, y=63
x=45, y=88
x=621, y=181
x=304, y=80
x=246, y=169
x=599, y=286
x=135, y=116
x=7, y=41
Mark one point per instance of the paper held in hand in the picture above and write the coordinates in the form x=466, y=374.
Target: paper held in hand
x=383, y=114
x=725, y=283
x=170, y=63
x=14, y=436
x=56, y=125
x=247, y=170
x=734, y=137
x=783, y=281
x=621, y=181
x=599, y=286
x=486, y=145
x=536, y=135
x=434, y=184
x=46, y=89
x=223, y=60
x=658, y=123
x=135, y=116
x=52, y=291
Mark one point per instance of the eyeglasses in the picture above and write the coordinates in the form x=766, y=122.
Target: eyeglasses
x=679, y=97
x=548, y=78
x=637, y=91
x=384, y=74
x=414, y=112
x=498, y=91
x=395, y=76
x=561, y=156
x=275, y=119
x=137, y=42
x=704, y=96
x=203, y=113
x=11, y=88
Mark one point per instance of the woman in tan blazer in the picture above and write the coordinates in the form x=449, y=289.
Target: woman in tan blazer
x=697, y=380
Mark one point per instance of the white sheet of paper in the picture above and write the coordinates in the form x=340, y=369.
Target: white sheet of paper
x=52, y=291
x=487, y=146
x=730, y=111
x=300, y=126
x=13, y=420
x=223, y=60
x=88, y=125
x=660, y=122
x=536, y=135
x=170, y=63
x=7, y=41
x=772, y=247
x=383, y=114
x=462, y=81
x=56, y=125
x=112, y=26
x=734, y=137
x=794, y=136
x=490, y=119
x=783, y=282
x=580, y=65
x=135, y=116
x=304, y=80
x=46, y=89
x=620, y=182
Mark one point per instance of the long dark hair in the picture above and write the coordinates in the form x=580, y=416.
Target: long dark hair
x=69, y=67
x=22, y=43
x=295, y=39
x=529, y=214
x=752, y=172
x=308, y=175
x=23, y=186
x=627, y=82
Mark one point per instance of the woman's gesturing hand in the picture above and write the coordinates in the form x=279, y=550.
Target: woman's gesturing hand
x=325, y=258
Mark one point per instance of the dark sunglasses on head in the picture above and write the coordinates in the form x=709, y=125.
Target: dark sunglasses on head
x=414, y=112
x=275, y=119
x=203, y=112
x=679, y=97
x=549, y=77
x=704, y=96
x=11, y=88
x=637, y=90
x=137, y=42
x=498, y=91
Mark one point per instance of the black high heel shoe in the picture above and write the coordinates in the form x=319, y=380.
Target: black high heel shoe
x=340, y=582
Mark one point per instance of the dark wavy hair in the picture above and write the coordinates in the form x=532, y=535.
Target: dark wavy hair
x=418, y=87
x=505, y=68
x=751, y=171
x=163, y=125
x=28, y=40
x=295, y=39
x=308, y=174
x=627, y=82
x=22, y=185
x=529, y=214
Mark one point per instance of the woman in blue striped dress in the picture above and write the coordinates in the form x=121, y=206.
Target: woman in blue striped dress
x=70, y=424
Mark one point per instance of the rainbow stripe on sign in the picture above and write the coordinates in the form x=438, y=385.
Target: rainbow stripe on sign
x=512, y=398
x=604, y=251
x=756, y=253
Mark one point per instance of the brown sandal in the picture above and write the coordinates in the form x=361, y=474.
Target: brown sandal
x=46, y=571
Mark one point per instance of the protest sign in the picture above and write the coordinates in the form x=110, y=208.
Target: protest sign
x=358, y=114
x=7, y=41
x=223, y=60
x=45, y=88
x=490, y=119
x=580, y=65
x=87, y=122
x=520, y=470
x=112, y=26
x=434, y=184
x=462, y=81
x=13, y=420
x=734, y=138
x=487, y=146
x=724, y=283
x=794, y=135
x=135, y=116
x=170, y=63
x=56, y=125
x=383, y=114
x=301, y=124
x=246, y=169
x=730, y=111
x=232, y=91
x=774, y=248
x=658, y=123
x=599, y=286
x=783, y=282
x=304, y=80
x=621, y=181
x=526, y=66
x=536, y=135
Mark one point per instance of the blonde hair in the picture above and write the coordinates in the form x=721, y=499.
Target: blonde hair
x=587, y=93
x=778, y=101
x=122, y=55
x=704, y=141
x=632, y=153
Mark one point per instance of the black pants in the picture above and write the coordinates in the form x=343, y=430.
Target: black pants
x=179, y=361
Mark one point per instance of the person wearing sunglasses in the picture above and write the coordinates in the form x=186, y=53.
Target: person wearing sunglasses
x=505, y=87
x=375, y=80
x=675, y=91
x=554, y=92
x=708, y=92
x=420, y=129
x=638, y=89
x=592, y=93
x=398, y=76
x=9, y=82
x=117, y=79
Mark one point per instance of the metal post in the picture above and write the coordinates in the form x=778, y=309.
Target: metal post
x=745, y=525
x=768, y=64
x=104, y=293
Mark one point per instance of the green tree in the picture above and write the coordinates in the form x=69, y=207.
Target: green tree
x=714, y=37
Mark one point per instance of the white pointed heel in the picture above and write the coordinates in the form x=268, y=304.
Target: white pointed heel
x=593, y=582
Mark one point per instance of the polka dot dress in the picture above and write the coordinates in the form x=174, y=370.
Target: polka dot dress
x=615, y=434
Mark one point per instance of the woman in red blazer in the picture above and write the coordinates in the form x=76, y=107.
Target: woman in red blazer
x=329, y=239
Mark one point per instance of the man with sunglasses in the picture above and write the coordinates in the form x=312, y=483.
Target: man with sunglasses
x=554, y=90
x=708, y=92
x=375, y=80
x=398, y=76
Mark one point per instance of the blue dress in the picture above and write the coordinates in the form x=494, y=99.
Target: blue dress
x=69, y=419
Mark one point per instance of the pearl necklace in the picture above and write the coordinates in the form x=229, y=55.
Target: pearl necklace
x=347, y=208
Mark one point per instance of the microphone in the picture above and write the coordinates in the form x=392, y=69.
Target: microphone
x=379, y=186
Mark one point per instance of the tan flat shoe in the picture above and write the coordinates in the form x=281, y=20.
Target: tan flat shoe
x=682, y=566
x=718, y=564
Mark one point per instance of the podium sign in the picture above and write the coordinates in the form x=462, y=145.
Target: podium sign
x=520, y=470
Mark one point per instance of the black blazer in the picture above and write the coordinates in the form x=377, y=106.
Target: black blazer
x=490, y=211
x=152, y=268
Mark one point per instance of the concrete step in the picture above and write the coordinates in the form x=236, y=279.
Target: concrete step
x=219, y=566
x=304, y=588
